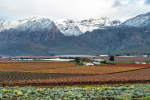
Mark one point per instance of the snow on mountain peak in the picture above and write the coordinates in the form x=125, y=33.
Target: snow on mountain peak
x=66, y=26
x=24, y=24
x=76, y=28
x=33, y=19
x=138, y=21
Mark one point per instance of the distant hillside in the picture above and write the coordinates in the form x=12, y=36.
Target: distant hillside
x=115, y=39
x=134, y=49
x=67, y=45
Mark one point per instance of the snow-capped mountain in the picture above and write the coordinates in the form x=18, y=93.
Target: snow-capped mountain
x=73, y=27
x=33, y=23
x=66, y=26
x=138, y=21
x=34, y=29
x=30, y=36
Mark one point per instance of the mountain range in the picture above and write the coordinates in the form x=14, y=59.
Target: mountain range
x=42, y=36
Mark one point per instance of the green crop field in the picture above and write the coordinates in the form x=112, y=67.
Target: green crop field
x=104, y=92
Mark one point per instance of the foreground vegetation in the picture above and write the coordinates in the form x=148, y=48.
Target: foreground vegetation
x=125, y=92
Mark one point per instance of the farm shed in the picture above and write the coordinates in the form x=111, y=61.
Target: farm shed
x=140, y=62
x=144, y=55
x=88, y=64
x=103, y=55
x=137, y=62
x=96, y=63
x=99, y=59
x=143, y=62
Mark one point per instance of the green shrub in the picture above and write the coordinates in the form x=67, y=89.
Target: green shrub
x=104, y=62
x=121, y=98
x=112, y=58
x=145, y=98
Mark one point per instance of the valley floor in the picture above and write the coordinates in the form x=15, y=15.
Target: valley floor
x=65, y=81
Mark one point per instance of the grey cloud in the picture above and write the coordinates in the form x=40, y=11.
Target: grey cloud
x=147, y=2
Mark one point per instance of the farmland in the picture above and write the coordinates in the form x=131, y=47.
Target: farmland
x=30, y=76
x=49, y=73
x=90, y=70
x=16, y=66
x=103, y=92
x=58, y=73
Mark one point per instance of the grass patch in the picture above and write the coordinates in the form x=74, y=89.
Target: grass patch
x=117, y=63
x=148, y=62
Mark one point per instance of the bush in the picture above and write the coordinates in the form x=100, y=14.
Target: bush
x=77, y=60
x=111, y=58
x=104, y=62
x=85, y=59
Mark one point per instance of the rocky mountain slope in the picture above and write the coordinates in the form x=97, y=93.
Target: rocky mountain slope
x=34, y=29
x=113, y=39
x=65, y=45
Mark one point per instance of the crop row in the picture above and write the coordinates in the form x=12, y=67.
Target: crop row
x=138, y=76
x=30, y=76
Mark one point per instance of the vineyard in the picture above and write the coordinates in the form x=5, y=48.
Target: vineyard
x=88, y=69
x=29, y=66
x=64, y=74
x=31, y=76
x=67, y=73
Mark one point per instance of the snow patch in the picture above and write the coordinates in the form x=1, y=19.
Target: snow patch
x=32, y=24
x=74, y=27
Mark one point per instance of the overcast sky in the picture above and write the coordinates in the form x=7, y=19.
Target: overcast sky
x=72, y=9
